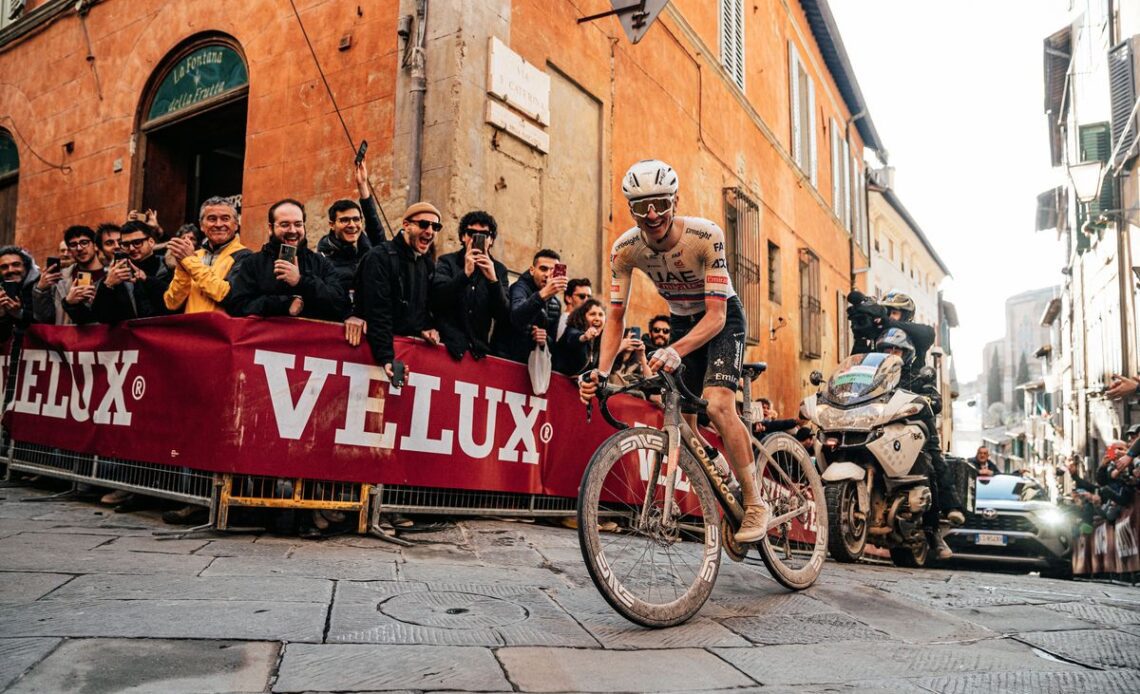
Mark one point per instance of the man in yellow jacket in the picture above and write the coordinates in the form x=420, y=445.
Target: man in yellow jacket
x=199, y=281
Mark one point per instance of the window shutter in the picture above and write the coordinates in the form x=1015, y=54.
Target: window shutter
x=794, y=95
x=1122, y=85
x=836, y=170
x=846, y=216
x=1096, y=145
x=813, y=170
x=732, y=39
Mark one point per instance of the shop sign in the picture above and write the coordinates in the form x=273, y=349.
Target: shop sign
x=204, y=74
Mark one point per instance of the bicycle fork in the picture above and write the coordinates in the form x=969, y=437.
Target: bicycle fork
x=672, y=430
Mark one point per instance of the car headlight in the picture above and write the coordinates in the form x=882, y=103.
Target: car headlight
x=1053, y=518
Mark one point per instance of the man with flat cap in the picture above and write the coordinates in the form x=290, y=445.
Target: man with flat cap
x=392, y=285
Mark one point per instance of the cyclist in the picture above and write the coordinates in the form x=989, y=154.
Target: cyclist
x=685, y=259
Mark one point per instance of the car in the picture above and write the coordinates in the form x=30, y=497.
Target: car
x=1015, y=525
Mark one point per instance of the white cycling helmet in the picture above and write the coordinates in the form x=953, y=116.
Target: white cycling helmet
x=649, y=178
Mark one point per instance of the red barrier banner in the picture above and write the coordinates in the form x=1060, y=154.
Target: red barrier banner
x=289, y=398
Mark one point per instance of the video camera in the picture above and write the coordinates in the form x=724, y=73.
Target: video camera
x=866, y=316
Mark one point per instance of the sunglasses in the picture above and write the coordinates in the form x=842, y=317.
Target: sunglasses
x=660, y=331
x=424, y=224
x=641, y=208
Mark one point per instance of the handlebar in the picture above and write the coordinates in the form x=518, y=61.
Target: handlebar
x=662, y=379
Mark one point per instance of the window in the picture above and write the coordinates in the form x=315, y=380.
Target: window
x=9, y=187
x=838, y=179
x=811, y=315
x=10, y=11
x=803, y=115
x=742, y=233
x=773, y=273
x=891, y=249
x=842, y=326
x=846, y=216
x=732, y=39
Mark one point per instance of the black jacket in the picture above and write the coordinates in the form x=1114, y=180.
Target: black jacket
x=21, y=320
x=467, y=309
x=391, y=286
x=128, y=300
x=344, y=257
x=528, y=308
x=572, y=356
x=255, y=291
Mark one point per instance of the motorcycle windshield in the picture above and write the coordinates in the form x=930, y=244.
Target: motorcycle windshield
x=863, y=377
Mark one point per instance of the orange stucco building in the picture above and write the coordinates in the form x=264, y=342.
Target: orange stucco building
x=527, y=113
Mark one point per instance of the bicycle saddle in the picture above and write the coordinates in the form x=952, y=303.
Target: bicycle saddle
x=758, y=367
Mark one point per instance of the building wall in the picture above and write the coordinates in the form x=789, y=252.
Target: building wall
x=611, y=102
x=899, y=260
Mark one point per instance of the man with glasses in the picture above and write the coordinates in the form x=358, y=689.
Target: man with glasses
x=469, y=290
x=346, y=243
x=199, y=283
x=286, y=282
x=685, y=259
x=134, y=285
x=64, y=296
x=577, y=291
x=392, y=286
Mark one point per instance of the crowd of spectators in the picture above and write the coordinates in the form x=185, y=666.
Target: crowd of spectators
x=377, y=287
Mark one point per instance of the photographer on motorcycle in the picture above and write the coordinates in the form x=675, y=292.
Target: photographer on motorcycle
x=889, y=321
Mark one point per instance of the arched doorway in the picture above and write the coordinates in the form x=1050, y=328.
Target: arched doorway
x=192, y=130
x=9, y=187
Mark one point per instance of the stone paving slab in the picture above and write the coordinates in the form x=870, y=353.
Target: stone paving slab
x=361, y=668
x=883, y=660
x=281, y=589
x=775, y=602
x=106, y=666
x=901, y=619
x=579, y=670
x=155, y=544
x=57, y=541
x=1104, y=615
x=1079, y=682
x=49, y=559
x=362, y=568
x=17, y=655
x=811, y=628
x=1012, y=619
x=488, y=575
x=244, y=546
x=450, y=614
x=21, y=587
x=614, y=631
x=1096, y=648
x=176, y=619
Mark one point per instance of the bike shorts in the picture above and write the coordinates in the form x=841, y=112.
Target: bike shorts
x=719, y=361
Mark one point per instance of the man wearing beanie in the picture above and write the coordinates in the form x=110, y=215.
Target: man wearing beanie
x=392, y=285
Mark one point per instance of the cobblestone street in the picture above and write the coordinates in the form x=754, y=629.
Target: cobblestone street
x=94, y=602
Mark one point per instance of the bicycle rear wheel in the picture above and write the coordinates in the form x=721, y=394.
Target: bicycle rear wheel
x=652, y=572
x=795, y=549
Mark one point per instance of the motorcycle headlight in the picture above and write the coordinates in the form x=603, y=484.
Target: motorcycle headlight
x=861, y=418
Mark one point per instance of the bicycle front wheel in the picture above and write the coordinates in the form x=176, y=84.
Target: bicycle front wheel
x=654, y=571
x=794, y=549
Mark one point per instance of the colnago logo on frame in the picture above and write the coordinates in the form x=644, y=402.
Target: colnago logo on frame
x=425, y=433
x=61, y=385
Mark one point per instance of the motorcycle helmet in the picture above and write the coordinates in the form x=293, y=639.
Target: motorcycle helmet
x=893, y=338
x=898, y=301
x=649, y=178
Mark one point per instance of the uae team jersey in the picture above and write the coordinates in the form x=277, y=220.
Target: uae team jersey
x=685, y=276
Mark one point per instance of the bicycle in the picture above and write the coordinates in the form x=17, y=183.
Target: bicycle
x=659, y=567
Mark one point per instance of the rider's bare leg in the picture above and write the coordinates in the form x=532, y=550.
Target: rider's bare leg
x=737, y=442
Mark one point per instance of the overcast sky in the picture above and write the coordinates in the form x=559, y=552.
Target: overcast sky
x=956, y=93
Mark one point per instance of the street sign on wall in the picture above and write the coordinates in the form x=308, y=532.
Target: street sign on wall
x=637, y=21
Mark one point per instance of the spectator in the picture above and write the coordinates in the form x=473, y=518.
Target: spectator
x=65, y=259
x=392, y=286
x=659, y=333
x=189, y=232
x=1122, y=387
x=534, y=308
x=981, y=460
x=345, y=244
x=108, y=235
x=372, y=227
x=577, y=351
x=469, y=290
x=199, y=282
x=263, y=284
x=64, y=297
x=631, y=363
x=19, y=273
x=576, y=292
x=135, y=284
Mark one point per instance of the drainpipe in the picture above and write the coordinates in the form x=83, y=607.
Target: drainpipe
x=419, y=87
x=851, y=235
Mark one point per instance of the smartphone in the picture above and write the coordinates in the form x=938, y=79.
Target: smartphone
x=120, y=255
x=287, y=253
x=83, y=279
x=12, y=289
x=360, y=152
x=398, y=372
x=479, y=241
x=559, y=270
x=634, y=332
x=52, y=261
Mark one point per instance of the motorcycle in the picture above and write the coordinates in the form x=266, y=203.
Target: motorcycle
x=871, y=438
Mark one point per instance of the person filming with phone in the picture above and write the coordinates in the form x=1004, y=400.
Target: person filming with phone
x=285, y=278
x=136, y=278
x=64, y=296
x=534, y=306
x=469, y=290
x=19, y=273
